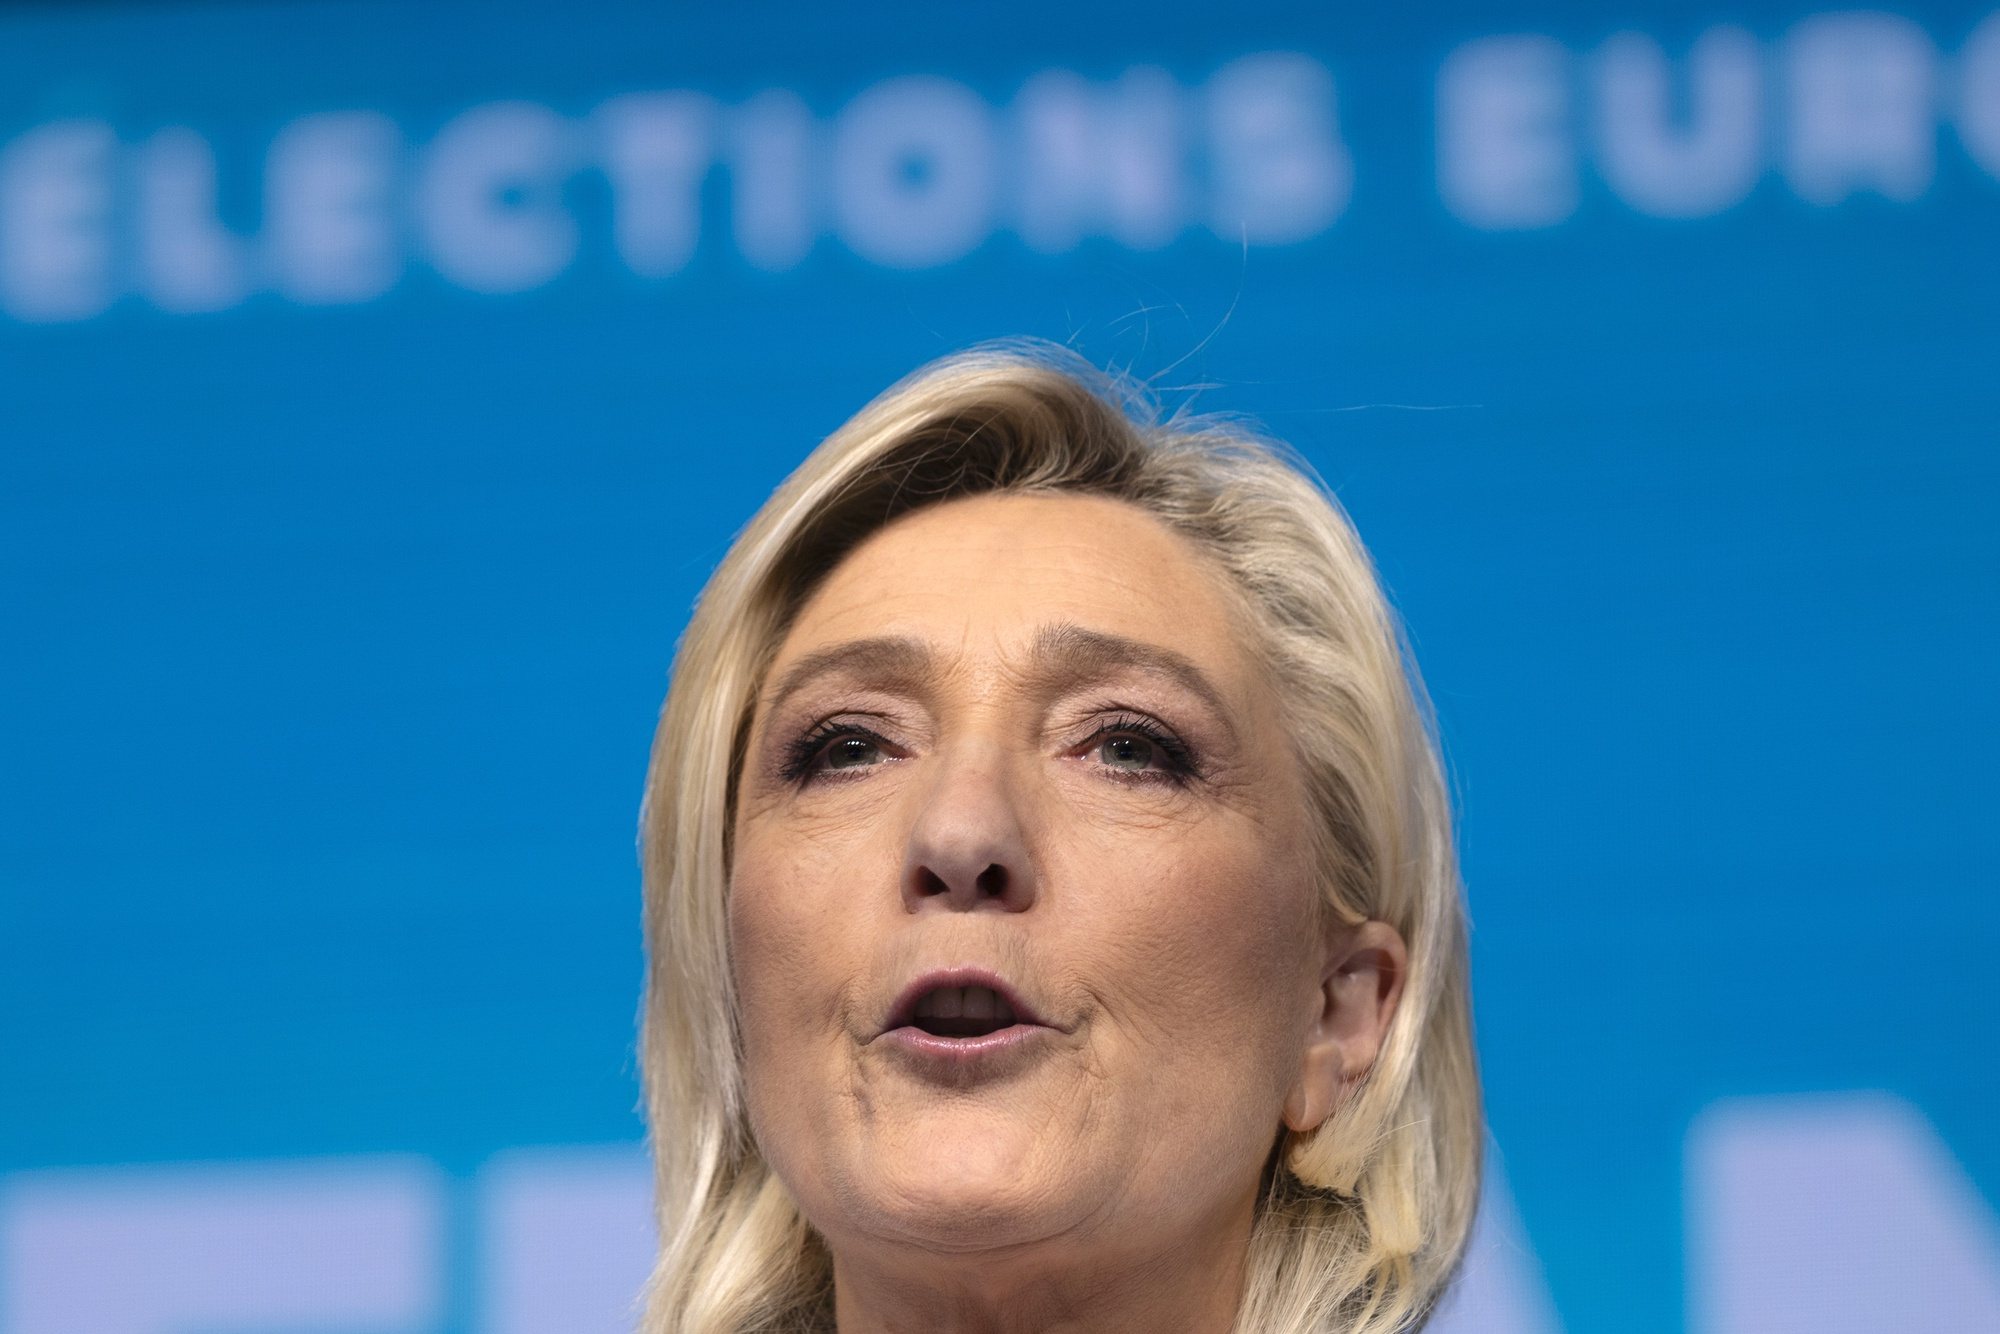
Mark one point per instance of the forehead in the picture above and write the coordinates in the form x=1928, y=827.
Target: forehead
x=987, y=571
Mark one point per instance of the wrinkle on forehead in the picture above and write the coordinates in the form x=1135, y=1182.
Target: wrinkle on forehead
x=1105, y=566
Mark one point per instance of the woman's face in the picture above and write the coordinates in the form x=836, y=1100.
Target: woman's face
x=1021, y=908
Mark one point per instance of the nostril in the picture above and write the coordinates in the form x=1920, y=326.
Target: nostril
x=940, y=884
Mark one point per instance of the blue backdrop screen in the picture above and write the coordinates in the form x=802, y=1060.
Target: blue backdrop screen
x=379, y=383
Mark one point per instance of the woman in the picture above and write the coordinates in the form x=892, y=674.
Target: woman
x=1052, y=914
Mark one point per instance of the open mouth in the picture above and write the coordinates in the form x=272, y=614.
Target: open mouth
x=968, y=1009
x=962, y=1012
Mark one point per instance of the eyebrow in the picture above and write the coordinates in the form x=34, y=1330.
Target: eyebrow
x=1069, y=652
x=890, y=659
x=1063, y=653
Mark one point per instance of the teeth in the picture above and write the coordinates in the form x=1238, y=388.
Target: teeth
x=979, y=1004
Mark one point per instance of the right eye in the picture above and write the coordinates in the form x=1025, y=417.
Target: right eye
x=830, y=747
x=848, y=752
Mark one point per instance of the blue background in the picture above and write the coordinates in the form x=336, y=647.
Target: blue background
x=335, y=635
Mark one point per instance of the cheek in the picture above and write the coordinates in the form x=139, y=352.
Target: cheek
x=1208, y=935
x=786, y=953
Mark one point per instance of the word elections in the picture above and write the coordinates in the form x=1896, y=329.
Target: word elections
x=913, y=173
x=917, y=171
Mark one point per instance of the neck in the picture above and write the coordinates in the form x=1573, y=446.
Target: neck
x=1191, y=1286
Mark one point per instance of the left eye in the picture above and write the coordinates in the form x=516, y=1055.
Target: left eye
x=1128, y=751
x=849, y=752
x=1140, y=752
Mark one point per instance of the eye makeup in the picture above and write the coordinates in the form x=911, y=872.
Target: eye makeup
x=1180, y=765
x=800, y=760
x=806, y=758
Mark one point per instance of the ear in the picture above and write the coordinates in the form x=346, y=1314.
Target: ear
x=1360, y=984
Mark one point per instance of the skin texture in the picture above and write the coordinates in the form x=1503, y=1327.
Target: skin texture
x=1001, y=813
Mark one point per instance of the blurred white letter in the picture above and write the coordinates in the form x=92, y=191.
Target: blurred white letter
x=489, y=197
x=1672, y=171
x=567, y=1240
x=771, y=142
x=356, y=1246
x=913, y=172
x=657, y=149
x=1506, y=158
x=188, y=261
x=1842, y=1214
x=55, y=224
x=1099, y=159
x=1277, y=167
x=1860, y=98
x=1979, y=95
x=329, y=236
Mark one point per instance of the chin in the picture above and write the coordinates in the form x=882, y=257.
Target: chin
x=969, y=1187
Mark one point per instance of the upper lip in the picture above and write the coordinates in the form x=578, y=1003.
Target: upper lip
x=903, y=1011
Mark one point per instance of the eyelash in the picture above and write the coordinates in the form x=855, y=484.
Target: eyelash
x=1180, y=764
x=802, y=756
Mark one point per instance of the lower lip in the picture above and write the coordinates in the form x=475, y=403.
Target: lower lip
x=988, y=1052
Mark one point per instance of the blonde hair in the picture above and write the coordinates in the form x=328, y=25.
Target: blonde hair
x=1362, y=1221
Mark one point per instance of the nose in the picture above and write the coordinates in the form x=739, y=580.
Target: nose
x=968, y=850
